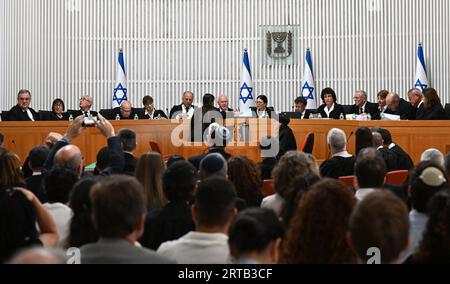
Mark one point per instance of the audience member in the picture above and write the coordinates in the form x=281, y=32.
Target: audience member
x=433, y=155
x=286, y=137
x=129, y=144
x=245, y=176
x=379, y=221
x=341, y=162
x=149, y=172
x=317, y=232
x=269, y=147
x=213, y=212
x=255, y=237
x=118, y=212
x=36, y=160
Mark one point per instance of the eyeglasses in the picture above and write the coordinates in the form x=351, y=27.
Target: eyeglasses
x=356, y=98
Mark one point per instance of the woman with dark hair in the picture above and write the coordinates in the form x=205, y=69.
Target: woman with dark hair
x=20, y=211
x=57, y=110
x=329, y=108
x=363, y=139
x=81, y=229
x=203, y=117
x=317, y=233
x=261, y=110
x=434, y=247
x=432, y=107
x=245, y=176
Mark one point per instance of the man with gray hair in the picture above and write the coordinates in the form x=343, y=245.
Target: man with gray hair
x=400, y=107
x=224, y=110
x=85, y=108
x=433, y=155
x=415, y=98
x=341, y=162
x=363, y=106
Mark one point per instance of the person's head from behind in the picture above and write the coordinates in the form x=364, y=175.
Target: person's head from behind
x=215, y=205
x=385, y=135
x=393, y=101
x=323, y=211
x=118, y=208
x=284, y=120
x=434, y=247
x=70, y=157
x=81, y=230
x=379, y=221
x=256, y=233
x=426, y=180
x=415, y=96
x=363, y=138
x=336, y=140
x=39, y=255
x=37, y=157
x=188, y=98
x=430, y=98
x=300, y=104
x=293, y=164
x=377, y=140
x=246, y=177
x=58, y=183
x=213, y=164
x=17, y=222
x=128, y=138
x=328, y=96
x=218, y=135
x=174, y=158
x=10, y=173
x=58, y=106
x=102, y=160
x=208, y=101
x=370, y=172
x=433, y=155
x=179, y=181
x=150, y=168
x=125, y=109
x=24, y=99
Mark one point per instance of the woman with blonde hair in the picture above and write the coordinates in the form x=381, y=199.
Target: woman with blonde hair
x=149, y=171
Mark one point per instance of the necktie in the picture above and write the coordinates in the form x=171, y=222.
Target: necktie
x=360, y=110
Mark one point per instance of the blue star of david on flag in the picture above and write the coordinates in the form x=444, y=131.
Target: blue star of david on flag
x=308, y=91
x=421, y=85
x=117, y=90
x=249, y=96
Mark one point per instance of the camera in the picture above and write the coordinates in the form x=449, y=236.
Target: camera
x=89, y=121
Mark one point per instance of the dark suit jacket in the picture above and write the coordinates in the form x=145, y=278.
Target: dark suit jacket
x=390, y=158
x=52, y=116
x=171, y=222
x=338, y=109
x=158, y=113
x=404, y=161
x=436, y=112
x=227, y=114
x=177, y=109
x=16, y=114
x=130, y=164
x=269, y=111
x=116, y=111
x=405, y=110
x=337, y=167
x=76, y=113
x=34, y=184
x=370, y=108
x=287, y=140
x=266, y=167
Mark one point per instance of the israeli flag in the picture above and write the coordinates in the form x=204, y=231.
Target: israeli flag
x=120, y=90
x=246, y=99
x=421, y=80
x=308, y=83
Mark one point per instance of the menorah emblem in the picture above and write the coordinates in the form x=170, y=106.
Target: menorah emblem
x=281, y=51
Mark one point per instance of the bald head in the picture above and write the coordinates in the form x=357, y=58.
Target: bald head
x=223, y=103
x=377, y=139
x=70, y=157
x=392, y=101
x=125, y=109
x=39, y=256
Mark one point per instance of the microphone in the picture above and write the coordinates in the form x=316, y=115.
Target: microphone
x=349, y=136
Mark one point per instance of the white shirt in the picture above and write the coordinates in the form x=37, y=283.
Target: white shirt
x=185, y=113
x=328, y=111
x=62, y=215
x=343, y=154
x=417, y=225
x=363, y=192
x=392, y=145
x=197, y=248
x=274, y=202
x=30, y=115
x=150, y=114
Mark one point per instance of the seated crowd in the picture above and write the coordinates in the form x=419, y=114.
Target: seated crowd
x=211, y=209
